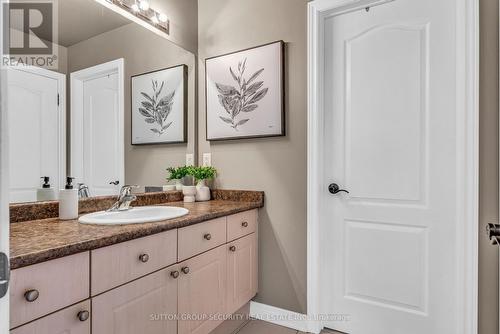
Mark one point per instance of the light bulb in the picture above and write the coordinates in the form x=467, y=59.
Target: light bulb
x=135, y=7
x=163, y=18
x=144, y=5
x=154, y=19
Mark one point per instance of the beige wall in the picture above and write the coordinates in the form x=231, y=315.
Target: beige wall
x=488, y=165
x=278, y=165
x=143, y=51
x=183, y=15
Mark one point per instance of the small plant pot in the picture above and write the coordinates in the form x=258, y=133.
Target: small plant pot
x=178, y=184
x=202, y=192
x=189, y=194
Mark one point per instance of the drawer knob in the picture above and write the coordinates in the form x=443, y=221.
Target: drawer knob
x=232, y=248
x=244, y=224
x=144, y=258
x=207, y=236
x=175, y=274
x=83, y=315
x=31, y=295
x=185, y=270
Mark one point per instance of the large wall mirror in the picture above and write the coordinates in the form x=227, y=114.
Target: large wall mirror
x=118, y=109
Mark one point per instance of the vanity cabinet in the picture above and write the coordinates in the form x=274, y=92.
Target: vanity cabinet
x=72, y=320
x=147, y=305
x=241, y=272
x=183, y=281
x=202, y=292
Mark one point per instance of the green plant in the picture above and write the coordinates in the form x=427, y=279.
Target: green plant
x=177, y=173
x=203, y=173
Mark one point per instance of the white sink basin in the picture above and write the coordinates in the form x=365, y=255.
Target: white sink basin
x=146, y=214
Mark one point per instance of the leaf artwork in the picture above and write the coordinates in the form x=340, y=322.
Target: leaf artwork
x=156, y=108
x=241, y=98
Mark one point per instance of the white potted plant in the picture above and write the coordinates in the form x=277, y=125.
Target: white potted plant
x=202, y=175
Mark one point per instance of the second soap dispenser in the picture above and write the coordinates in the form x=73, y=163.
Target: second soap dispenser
x=68, y=201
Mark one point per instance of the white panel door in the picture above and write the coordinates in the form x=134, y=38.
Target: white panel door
x=391, y=141
x=97, y=142
x=35, y=133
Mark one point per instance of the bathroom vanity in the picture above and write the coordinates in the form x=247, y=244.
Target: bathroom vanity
x=178, y=276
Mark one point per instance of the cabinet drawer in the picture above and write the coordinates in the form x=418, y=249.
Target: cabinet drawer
x=241, y=224
x=121, y=263
x=72, y=320
x=199, y=238
x=43, y=288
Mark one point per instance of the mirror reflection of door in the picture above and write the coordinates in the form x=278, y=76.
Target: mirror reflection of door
x=97, y=144
x=37, y=131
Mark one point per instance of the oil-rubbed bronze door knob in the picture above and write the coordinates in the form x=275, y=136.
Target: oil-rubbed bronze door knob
x=175, y=274
x=185, y=270
x=31, y=295
x=207, y=236
x=232, y=248
x=244, y=224
x=83, y=315
x=144, y=258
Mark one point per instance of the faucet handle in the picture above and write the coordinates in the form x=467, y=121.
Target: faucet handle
x=126, y=190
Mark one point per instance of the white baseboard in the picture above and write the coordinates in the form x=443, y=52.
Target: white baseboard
x=285, y=318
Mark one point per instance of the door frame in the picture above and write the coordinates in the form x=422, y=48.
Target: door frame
x=61, y=109
x=77, y=79
x=4, y=182
x=468, y=133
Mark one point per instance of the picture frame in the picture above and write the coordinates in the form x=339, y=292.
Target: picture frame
x=159, y=106
x=245, y=93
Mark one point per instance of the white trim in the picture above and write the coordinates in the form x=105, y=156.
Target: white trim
x=280, y=317
x=468, y=42
x=4, y=182
x=77, y=79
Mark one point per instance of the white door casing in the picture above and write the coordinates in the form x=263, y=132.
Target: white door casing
x=400, y=252
x=37, y=130
x=4, y=184
x=97, y=127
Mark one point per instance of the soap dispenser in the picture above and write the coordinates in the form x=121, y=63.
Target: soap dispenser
x=68, y=201
x=46, y=193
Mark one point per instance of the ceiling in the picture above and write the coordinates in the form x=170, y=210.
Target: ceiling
x=79, y=20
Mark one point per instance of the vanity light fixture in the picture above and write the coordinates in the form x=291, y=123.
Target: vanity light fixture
x=142, y=10
x=144, y=5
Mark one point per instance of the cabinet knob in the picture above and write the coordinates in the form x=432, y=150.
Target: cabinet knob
x=244, y=224
x=175, y=274
x=185, y=270
x=232, y=248
x=144, y=258
x=207, y=236
x=31, y=295
x=83, y=315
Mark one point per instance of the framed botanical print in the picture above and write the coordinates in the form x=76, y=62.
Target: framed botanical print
x=159, y=106
x=245, y=93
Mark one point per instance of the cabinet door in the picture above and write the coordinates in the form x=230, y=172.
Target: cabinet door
x=202, y=288
x=72, y=320
x=241, y=272
x=147, y=306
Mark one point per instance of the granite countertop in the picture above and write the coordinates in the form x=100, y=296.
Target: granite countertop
x=37, y=241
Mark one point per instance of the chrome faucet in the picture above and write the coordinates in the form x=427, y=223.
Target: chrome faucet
x=124, y=199
x=83, y=190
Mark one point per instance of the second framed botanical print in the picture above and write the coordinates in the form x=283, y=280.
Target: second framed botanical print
x=245, y=93
x=159, y=106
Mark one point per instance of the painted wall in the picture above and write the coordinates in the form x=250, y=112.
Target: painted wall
x=183, y=15
x=488, y=165
x=143, y=51
x=278, y=165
